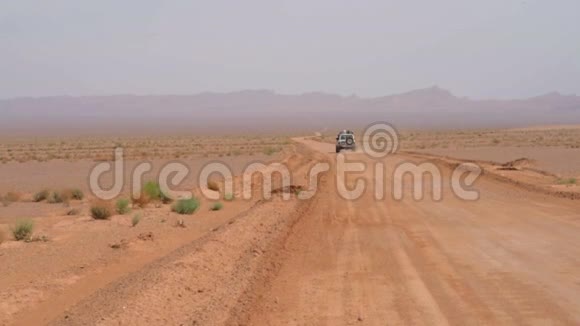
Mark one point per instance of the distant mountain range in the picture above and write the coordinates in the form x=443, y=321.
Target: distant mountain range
x=267, y=111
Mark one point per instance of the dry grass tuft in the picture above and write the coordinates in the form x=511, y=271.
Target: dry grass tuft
x=22, y=230
x=216, y=206
x=41, y=195
x=122, y=206
x=136, y=219
x=75, y=194
x=569, y=181
x=101, y=210
x=56, y=197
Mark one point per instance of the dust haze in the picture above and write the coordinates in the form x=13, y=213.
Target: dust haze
x=289, y=162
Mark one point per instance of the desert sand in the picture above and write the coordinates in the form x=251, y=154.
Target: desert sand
x=509, y=257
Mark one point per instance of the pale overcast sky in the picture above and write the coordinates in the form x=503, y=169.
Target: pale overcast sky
x=480, y=49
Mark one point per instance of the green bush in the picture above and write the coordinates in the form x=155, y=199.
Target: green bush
x=101, y=210
x=217, y=206
x=122, y=206
x=23, y=230
x=41, y=195
x=154, y=192
x=186, y=206
x=228, y=197
x=136, y=219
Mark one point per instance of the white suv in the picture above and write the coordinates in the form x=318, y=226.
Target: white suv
x=345, y=140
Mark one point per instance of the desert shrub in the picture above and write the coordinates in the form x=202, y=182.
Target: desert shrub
x=101, y=210
x=136, y=219
x=229, y=197
x=23, y=230
x=270, y=150
x=154, y=192
x=77, y=194
x=41, y=195
x=569, y=181
x=213, y=185
x=217, y=206
x=55, y=197
x=186, y=206
x=122, y=206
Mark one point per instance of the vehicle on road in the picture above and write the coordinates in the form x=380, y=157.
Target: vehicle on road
x=345, y=140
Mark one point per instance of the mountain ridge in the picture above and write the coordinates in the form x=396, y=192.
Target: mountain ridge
x=267, y=110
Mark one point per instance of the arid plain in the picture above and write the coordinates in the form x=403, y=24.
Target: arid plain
x=509, y=257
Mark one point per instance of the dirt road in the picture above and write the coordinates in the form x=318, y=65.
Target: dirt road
x=511, y=257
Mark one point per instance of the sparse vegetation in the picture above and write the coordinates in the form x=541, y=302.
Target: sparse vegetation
x=153, y=191
x=569, y=181
x=217, y=206
x=22, y=230
x=136, y=219
x=122, y=206
x=41, y=195
x=229, y=197
x=77, y=194
x=101, y=210
x=55, y=197
x=100, y=149
x=271, y=150
x=186, y=206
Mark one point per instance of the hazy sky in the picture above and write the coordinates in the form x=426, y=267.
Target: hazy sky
x=492, y=48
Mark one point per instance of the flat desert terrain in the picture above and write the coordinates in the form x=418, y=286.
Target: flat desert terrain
x=287, y=258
